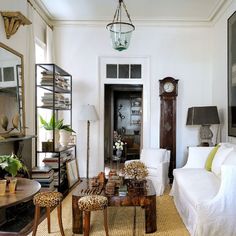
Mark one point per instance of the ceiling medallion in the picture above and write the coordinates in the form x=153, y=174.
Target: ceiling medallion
x=121, y=31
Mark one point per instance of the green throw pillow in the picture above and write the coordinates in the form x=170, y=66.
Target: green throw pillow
x=210, y=158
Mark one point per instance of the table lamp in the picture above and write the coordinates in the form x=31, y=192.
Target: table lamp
x=88, y=113
x=204, y=116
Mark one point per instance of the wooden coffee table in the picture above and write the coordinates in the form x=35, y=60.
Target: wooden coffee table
x=146, y=201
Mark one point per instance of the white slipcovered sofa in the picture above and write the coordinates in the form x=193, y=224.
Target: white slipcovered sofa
x=157, y=161
x=206, y=200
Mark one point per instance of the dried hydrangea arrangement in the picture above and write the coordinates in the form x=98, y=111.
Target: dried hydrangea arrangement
x=136, y=170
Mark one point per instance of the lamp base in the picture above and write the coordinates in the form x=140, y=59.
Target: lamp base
x=206, y=135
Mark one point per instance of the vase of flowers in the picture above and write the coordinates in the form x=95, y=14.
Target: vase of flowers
x=119, y=147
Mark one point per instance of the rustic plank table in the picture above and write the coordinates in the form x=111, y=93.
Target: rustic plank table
x=146, y=201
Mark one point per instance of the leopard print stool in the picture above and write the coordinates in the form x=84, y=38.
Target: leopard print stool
x=48, y=200
x=93, y=203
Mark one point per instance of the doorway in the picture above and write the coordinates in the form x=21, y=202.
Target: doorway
x=123, y=122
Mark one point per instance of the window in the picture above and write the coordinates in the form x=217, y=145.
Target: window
x=123, y=71
x=111, y=71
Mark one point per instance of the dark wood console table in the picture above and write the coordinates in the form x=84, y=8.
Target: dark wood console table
x=146, y=201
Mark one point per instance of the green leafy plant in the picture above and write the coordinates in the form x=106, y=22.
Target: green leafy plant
x=55, y=124
x=52, y=124
x=67, y=128
x=11, y=164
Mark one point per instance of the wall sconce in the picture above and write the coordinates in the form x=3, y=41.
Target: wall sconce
x=12, y=21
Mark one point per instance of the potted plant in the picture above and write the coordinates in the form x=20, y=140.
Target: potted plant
x=50, y=126
x=65, y=134
x=10, y=164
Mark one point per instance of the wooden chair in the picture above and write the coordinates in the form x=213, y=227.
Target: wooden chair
x=48, y=200
x=93, y=203
x=131, y=148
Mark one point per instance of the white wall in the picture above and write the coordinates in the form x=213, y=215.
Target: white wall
x=181, y=52
x=219, y=67
x=21, y=42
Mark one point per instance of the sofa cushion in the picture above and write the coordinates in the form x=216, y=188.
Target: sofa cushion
x=228, y=145
x=153, y=157
x=197, y=185
x=230, y=159
x=219, y=158
x=211, y=157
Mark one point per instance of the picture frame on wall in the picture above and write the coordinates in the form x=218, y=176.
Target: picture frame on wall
x=232, y=75
x=72, y=172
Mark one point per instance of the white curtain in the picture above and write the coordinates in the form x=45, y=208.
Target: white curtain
x=50, y=57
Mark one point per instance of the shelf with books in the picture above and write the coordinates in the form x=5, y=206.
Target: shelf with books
x=53, y=99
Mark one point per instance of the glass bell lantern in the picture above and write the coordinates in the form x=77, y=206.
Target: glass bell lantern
x=120, y=31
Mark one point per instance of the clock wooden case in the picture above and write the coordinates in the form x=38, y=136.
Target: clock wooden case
x=168, y=94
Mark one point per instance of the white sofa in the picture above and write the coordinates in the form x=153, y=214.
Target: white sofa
x=157, y=161
x=206, y=200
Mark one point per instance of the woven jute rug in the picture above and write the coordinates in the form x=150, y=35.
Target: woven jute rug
x=122, y=221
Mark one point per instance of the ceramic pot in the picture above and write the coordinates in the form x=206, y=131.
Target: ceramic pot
x=3, y=184
x=49, y=137
x=12, y=185
x=65, y=137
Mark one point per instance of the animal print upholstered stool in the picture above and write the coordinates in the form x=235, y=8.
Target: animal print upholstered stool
x=48, y=200
x=93, y=203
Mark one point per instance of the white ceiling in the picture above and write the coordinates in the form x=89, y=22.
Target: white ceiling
x=103, y=10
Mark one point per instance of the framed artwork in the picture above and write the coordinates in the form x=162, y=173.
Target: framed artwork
x=232, y=75
x=72, y=172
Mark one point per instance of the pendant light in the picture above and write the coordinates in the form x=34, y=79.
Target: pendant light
x=120, y=31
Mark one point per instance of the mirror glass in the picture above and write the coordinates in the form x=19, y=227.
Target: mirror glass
x=11, y=93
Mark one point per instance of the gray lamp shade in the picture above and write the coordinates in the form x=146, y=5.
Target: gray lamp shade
x=88, y=112
x=207, y=115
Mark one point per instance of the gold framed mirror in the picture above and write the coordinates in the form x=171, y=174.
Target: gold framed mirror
x=12, y=104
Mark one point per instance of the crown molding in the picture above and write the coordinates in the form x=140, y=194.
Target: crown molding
x=216, y=9
x=43, y=8
x=141, y=23
x=42, y=11
x=186, y=22
x=221, y=11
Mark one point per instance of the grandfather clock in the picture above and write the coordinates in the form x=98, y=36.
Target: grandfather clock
x=168, y=93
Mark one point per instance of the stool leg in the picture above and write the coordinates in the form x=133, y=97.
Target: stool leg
x=105, y=221
x=60, y=219
x=36, y=219
x=86, y=223
x=48, y=219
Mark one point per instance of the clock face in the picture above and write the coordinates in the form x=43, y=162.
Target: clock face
x=169, y=87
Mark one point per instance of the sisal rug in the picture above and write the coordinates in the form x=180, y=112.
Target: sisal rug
x=122, y=221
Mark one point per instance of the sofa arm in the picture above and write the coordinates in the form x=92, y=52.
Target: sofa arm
x=197, y=157
x=221, y=210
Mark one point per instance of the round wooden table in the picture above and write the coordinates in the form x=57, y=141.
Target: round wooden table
x=25, y=190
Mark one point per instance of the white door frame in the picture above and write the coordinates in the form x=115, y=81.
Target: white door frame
x=145, y=81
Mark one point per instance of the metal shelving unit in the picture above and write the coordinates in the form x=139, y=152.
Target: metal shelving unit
x=52, y=82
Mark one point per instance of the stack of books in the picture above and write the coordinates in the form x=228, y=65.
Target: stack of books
x=48, y=78
x=59, y=102
x=45, y=176
x=53, y=162
x=56, y=177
